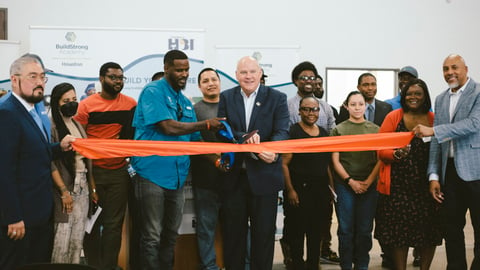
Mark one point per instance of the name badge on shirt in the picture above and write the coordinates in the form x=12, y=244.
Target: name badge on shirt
x=427, y=139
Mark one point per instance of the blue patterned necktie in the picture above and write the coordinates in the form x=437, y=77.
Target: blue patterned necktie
x=37, y=119
x=371, y=114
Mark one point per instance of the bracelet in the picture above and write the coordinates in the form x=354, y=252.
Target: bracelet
x=347, y=180
x=208, y=124
x=63, y=189
x=94, y=190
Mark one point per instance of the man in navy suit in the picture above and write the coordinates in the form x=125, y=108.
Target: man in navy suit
x=252, y=185
x=454, y=158
x=26, y=185
x=40, y=106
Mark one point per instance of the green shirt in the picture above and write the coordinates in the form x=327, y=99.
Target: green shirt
x=358, y=164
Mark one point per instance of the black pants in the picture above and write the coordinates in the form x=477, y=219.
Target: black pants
x=102, y=245
x=307, y=220
x=35, y=247
x=460, y=196
x=239, y=207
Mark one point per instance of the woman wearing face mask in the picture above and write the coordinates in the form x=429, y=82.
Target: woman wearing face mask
x=73, y=181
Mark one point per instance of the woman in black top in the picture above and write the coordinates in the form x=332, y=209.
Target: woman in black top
x=306, y=190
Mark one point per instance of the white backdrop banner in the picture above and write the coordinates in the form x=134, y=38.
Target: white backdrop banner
x=75, y=55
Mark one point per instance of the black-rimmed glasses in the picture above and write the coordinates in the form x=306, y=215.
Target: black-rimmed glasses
x=306, y=78
x=309, y=109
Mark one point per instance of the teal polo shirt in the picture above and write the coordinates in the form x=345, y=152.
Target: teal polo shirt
x=158, y=102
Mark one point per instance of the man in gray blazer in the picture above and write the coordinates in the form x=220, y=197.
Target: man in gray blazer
x=454, y=158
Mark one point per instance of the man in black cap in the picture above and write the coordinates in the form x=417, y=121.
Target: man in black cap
x=405, y=74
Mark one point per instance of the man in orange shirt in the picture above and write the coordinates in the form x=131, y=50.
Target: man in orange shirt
x=108, y=115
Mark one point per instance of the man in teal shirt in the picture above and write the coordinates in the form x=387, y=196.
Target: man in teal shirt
x=164, y=114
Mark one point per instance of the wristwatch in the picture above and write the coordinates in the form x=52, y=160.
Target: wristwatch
x=347, y=180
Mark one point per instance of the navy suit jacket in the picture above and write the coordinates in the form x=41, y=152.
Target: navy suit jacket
x=41, y=111
x=381, y=111
x=25, y=166
x=270, y=117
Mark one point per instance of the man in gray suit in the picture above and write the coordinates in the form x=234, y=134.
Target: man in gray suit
x=454, y=158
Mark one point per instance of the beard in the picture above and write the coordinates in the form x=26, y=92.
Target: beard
x=174, y=82
x=34, y=99
x=31, y=98
x=318, y=94
x=110, y=89
x=453, y=85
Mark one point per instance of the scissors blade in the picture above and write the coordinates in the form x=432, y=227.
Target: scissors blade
x=248, y=135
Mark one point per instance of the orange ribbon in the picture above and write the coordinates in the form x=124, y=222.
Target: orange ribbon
x=108, y=148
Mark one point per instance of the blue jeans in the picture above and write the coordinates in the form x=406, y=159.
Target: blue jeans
x=207, y=206
x=161, y=215
x=355, y=213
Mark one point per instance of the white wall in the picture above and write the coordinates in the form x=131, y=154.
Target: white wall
x=9, y=51
x=335, y=33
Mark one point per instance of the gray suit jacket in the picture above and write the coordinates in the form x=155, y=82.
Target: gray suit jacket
x=463, y=131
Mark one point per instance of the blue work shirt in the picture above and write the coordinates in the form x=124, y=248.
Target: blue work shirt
x=158, y=102
x=395, y=102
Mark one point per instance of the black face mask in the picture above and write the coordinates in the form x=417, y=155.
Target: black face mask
x=69, y=109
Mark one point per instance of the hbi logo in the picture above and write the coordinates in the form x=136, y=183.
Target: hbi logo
x=181, y=44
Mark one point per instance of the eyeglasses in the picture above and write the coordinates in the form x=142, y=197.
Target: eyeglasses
x=115, y=78
x=33, y=77
x=309, y=109
x=306, y=78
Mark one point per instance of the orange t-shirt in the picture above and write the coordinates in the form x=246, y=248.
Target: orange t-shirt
x=107, y=119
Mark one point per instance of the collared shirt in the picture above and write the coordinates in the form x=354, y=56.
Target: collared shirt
x=249, y=101
x=454, y=97
x=395, y=102
x=159, y=102
x=39, y=107
x=325, y=120
x=25, y=104
x=33, y=112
